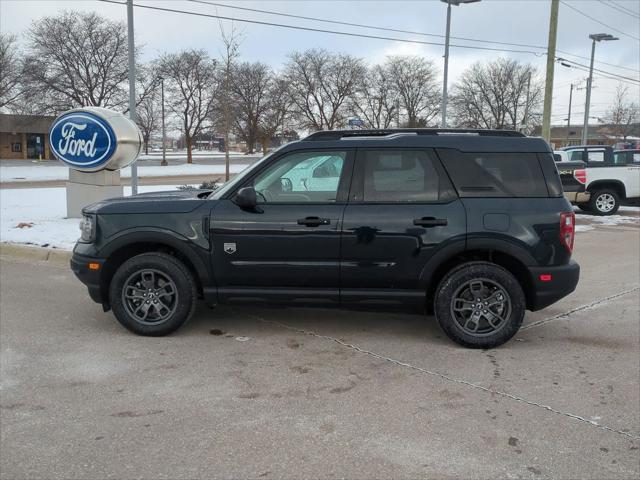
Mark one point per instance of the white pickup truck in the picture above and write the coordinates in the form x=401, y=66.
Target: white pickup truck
x=599, y=179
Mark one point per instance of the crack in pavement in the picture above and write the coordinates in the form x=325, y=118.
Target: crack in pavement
x=578, y=309
x=450, y=378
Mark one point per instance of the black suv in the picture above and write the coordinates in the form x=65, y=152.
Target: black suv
x=471, y=225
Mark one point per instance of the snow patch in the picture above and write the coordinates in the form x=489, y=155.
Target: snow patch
x=46, y=209
x=39, y=173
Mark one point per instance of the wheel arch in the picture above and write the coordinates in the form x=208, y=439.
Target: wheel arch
x=130, y=244
x=513, y=261
x=616, y=185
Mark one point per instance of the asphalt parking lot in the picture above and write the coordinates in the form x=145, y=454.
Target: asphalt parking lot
x=257, y=392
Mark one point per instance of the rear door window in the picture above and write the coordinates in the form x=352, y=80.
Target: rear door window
x=494, y=174
x=387, y=175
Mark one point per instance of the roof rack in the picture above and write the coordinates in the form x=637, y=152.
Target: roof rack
x=388, y=134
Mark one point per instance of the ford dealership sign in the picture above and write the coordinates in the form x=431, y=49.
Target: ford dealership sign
x=93, y=138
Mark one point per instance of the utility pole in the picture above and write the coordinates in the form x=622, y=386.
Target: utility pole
x=595, y=37
x=569, y=116
x=551, y=58
x=445, y=81
x=164, y=132
x=132, y=88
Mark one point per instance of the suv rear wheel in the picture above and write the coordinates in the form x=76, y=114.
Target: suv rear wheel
x=152, y=294
x=479, y=305
x=604, y=202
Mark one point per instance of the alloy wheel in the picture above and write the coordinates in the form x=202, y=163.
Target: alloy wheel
x=481, y=307
x=605, y=202
x=150, y=296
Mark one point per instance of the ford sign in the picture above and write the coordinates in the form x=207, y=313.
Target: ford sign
x=94, y=138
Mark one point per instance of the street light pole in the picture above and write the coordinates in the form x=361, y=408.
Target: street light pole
x=595, y=37
x=164, y=132
x=443, y=106
x=569, y=116
x=132, y=88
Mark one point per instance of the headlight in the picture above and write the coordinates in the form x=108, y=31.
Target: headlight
x=88, y=228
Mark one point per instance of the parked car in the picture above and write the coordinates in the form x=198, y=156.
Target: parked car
x=598, y=179
x=470, y=225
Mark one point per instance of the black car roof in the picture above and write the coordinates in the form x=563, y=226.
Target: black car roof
x=469, y=140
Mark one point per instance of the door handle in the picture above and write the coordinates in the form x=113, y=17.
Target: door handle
x=314, y=221
x=430, y=222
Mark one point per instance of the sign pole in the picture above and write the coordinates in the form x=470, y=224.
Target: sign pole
x=132, y=88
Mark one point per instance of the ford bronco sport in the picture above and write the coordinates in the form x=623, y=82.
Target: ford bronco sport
x=470, y=225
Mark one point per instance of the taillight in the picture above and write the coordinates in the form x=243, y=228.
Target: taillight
x=580, y=175
x=567, y=229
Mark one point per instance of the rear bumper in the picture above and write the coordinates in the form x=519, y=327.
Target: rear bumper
x=564, y=280
x=577, y=197
x=91, y=278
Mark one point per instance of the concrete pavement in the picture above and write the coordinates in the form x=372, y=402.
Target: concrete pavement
x=258, y=392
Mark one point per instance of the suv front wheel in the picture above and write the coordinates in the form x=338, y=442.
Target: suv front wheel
x=480, y=305
x=152, y=294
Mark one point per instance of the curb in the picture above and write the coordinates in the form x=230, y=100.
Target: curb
x=33, y=253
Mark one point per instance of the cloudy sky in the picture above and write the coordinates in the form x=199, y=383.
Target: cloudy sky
x=524, y=22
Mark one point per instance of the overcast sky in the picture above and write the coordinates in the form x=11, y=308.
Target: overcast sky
x=512, y=21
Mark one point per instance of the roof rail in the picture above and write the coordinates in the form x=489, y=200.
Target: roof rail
x=393, y=133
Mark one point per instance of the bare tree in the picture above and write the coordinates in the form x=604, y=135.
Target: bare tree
x=225, y=100
x=376, y=98
x=250, y=86
x=148, y=118
x=277, y=111
x=623, y=113
x=76, y=59
x=499, y=94
x=190, y=87
x=10, y=71
x=320, y=83
x=417, y=86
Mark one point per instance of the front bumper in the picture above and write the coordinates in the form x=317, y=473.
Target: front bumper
x=90, y=277
x=563, y=281
x=577, y=197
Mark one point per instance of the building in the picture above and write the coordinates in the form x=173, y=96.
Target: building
x=564, y=136
x=25, y=137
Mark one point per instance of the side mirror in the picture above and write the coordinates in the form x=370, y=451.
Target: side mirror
x=246, y=198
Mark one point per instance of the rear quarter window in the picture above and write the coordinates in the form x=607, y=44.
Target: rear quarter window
x=494, y=174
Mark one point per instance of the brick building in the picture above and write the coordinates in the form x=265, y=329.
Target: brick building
x=25, y=137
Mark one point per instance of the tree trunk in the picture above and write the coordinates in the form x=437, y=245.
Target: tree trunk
x=265, y=144
x=146, y=146
x=187, y=140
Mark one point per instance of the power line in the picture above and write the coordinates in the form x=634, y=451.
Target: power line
x=360, y=25
x=628, y=10
x=598, y=70
x=375, y=27
x=598, y=21
x=310, y=29
x=619, y=9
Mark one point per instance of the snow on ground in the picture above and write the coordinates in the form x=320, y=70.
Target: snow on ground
x=35, y=173
x=46, y=209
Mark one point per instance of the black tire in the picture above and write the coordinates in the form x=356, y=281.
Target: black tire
x=584, y=207
x=604, y=202
x=160, y=270
x=499, y=284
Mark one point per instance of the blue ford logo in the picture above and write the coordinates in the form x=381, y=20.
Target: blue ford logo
x=82, y=140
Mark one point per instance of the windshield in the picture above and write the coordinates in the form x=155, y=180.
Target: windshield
x=230, y=185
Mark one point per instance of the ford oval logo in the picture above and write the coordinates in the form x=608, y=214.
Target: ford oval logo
x=82, y=140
